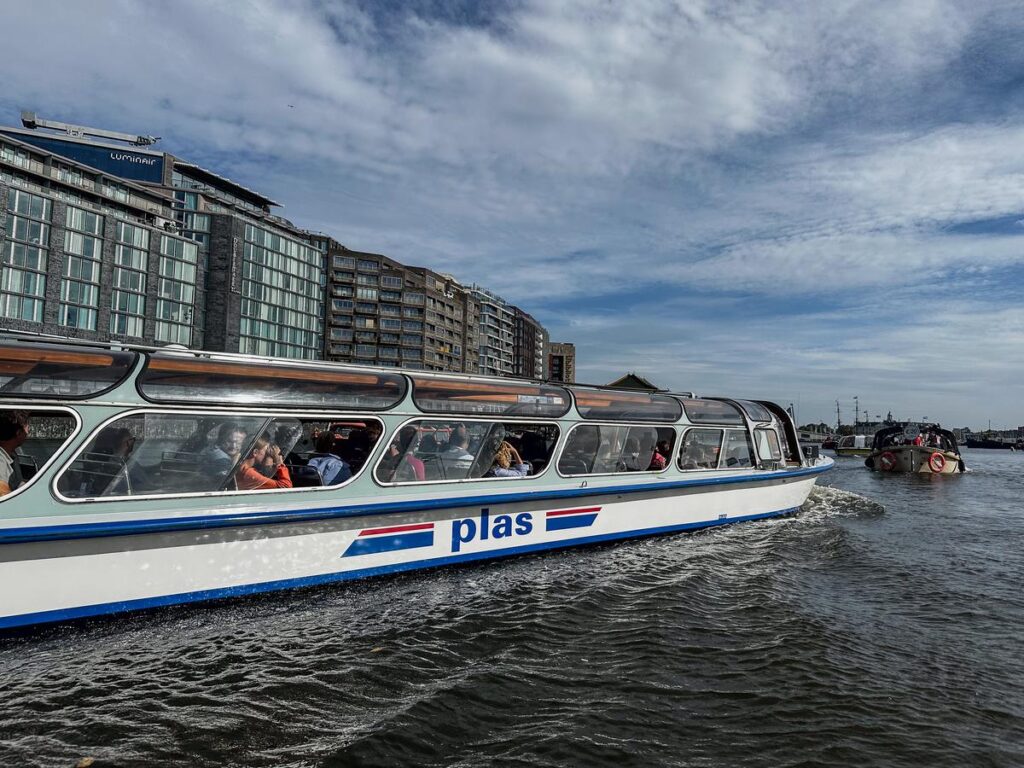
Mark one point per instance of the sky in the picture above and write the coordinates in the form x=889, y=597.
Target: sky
x=803, y=202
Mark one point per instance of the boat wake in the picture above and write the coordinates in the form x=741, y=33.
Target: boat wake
x=831, y=502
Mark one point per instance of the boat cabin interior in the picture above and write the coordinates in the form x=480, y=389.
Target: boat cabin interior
x=181, y=422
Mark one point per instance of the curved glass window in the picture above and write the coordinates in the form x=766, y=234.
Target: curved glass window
x=768, y=447
x=491, y=398
x=701, y=448
x=55, y=371
x=755, y=411
x=157, y=454
x=619, y=405
x=600, y=449
x=701, y=411
x=175, y=378
x=34, y=437
x=738, y=450
x=705, y=448
x=428, y=450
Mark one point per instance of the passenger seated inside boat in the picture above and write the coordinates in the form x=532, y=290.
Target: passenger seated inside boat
x=456, y=452
x=662, y=451
x=400, y=462
x=331, y=467
x=508, y=463
x=249, y=478
x=219, y=459
x=14, y=431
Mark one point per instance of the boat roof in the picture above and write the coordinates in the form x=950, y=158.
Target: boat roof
x=54, y=367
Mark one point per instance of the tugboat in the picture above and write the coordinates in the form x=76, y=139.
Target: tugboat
x=919, y=448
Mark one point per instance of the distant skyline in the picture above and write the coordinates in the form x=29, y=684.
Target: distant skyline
x=753, y=199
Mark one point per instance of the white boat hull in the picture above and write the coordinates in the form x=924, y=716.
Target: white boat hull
x=71, y=572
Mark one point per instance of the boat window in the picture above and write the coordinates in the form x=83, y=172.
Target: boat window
x=34, y=437
x=617, y=405
x=153, y=454
x=738, y=451
x=60, y=371
x=701, y=448
x=768, y=447
x=701, y=411
x=177, y=378
x=446, y=449
x=491, y=398
x=597, y=449
x=755, y=411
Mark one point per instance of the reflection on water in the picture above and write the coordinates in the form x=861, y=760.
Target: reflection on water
x=879, y=626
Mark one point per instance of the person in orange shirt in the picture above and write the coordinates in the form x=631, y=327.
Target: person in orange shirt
x=248, y=478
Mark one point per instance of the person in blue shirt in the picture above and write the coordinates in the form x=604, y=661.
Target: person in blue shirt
x=332, y=468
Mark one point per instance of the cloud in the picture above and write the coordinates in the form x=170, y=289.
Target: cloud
x=621, y=171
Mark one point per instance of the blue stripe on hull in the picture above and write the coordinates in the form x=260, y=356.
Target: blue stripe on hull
x=69, y=614
x=570, y=521
x=390, y=543
x=130, y=527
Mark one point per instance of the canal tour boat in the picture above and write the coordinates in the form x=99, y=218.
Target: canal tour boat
x=918, y=448
x=152, y=476
x=853, y=445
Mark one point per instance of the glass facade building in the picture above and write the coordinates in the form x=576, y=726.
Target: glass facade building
x=282, y=296
x=89, y=256
x=142, y=246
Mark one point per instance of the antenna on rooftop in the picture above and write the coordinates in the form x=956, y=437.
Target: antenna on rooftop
x=31, y=120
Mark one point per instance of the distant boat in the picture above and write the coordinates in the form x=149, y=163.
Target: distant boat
x=854, y=445
x=991, y=440
x=829, y=442
x=918, y=448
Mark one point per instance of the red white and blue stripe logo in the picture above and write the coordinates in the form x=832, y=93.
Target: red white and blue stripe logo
x=563, y=519
x=391, y=539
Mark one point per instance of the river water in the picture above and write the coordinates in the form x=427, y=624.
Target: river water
x=880, y=626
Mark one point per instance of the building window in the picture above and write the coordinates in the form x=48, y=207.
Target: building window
x=116, y=191
x=25, y=256
x=368, y=266
x=176, y=290
x=366, y=294
x=128, y=298
x=80, y=288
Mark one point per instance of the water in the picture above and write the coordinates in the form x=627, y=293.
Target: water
x=881, y=626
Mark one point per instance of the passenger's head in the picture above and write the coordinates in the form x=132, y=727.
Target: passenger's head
x=503, y=457
x=460, y=436
x=115, y=441
x=230, y=437
x=259, y=449
x=325, y=443
x=406, y=438
x=13, y=428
